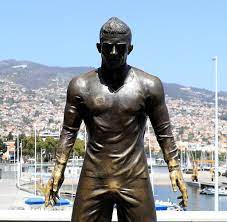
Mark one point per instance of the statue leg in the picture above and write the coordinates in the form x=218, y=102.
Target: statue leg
x=93, y=202
x=135, y=202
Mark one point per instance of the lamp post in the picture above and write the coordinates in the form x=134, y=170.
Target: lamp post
x=21, y=158
x=18, y=161
x=150, y=157
x=35, y=160
x=215, y=59
x=41, y=165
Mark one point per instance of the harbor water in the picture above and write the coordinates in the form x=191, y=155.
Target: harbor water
x=196, y=201
x=13, y=198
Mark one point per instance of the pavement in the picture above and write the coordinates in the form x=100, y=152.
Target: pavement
x=10, y=196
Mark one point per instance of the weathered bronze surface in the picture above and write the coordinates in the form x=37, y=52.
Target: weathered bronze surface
x=114, y=101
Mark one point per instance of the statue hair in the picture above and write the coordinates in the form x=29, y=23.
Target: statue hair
x=115, y=27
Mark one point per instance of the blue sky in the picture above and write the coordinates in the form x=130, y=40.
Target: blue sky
x=174, y=40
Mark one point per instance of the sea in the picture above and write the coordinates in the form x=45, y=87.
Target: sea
x=11, y=197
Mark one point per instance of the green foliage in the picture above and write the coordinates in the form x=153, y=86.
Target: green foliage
x=181, y=130
x=190, y=136
x=9, y=136
x=51, y=120
x=79, y=148
x=197, y=154
x=1, y=142
x=26, y=120
x=10, y=101
x=3, y=147
x=222, y=157
x=224, y=116
x=48, y=147
x=28, y=145
x=50, y=143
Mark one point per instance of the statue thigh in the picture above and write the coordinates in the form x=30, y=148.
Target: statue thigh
x=96, y=198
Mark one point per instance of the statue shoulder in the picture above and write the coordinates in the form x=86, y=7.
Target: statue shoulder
x=80, y=83
x=149, y=82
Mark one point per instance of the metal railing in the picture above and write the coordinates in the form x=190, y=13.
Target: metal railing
x=65, y=216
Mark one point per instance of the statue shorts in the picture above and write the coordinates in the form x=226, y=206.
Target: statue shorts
x=96, y=198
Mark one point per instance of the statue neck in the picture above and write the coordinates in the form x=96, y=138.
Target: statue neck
x=115, y=76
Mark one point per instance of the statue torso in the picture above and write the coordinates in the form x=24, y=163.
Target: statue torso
x=115, y=121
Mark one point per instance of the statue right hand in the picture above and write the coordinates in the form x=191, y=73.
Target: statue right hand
x=52, y=188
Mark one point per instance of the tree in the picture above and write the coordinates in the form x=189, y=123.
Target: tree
x=1, y=142
x=28, y=146
x=79, y=147
x=3, y=147
x=50, y=146
x=181, y=130
x=10, y=101
x=26, y=120
x=190, y=136
x=222, y=157
x=9, y=136
x=51, y=120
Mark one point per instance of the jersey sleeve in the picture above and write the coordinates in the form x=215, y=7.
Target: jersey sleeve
x=158, y=114
x=71, y=123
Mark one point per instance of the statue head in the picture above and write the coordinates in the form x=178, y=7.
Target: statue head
x=115, y=43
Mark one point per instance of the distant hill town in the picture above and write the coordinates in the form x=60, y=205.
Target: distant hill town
x=33, y=75
x=32, y=93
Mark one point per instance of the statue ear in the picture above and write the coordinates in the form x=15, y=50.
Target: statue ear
x=98, y=45
x=130, y=48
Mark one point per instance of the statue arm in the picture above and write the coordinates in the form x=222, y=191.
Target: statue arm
x=159, y=117
x=71, y=125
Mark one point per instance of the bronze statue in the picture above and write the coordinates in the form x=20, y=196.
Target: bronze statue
x=114, y=101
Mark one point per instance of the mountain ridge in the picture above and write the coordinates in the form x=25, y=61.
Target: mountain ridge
x=34, y=75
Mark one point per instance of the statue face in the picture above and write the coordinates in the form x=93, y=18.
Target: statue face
x=114, y=51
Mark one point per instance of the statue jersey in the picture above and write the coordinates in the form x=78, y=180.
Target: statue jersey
x=115, y=121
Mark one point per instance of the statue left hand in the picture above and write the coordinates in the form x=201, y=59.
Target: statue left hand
x=53, y=186
x=178, y=181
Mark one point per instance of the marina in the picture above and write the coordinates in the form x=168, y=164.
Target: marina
x=26, y=182
x=200, y=207
x=13, y=196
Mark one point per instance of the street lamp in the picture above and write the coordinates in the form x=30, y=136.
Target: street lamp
x=215, y=60
x=35, y=159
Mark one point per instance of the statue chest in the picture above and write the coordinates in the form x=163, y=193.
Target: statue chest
x=128, y=99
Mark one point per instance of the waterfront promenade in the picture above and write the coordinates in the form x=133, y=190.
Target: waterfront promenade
x=13, y=198
x=10, y=196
